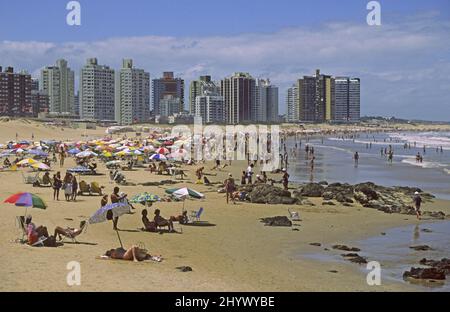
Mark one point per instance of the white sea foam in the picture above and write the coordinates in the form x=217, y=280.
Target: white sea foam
x=424, y=164
x=429, y=139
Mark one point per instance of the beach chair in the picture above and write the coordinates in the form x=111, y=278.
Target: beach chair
x=195, y=215
x=96, y=189
x=84, y=188
x=30, y=179
x=73, y=237
x=20, y=220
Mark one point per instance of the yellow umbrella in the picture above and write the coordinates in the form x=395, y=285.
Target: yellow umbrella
x=27, y=161
x=107, y=154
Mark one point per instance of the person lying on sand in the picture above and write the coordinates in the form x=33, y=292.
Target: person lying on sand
x=134, y=253
x=68, y=231
x=182, y=218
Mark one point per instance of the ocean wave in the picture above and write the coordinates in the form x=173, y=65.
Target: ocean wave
x=424, y=164
x=429, y=139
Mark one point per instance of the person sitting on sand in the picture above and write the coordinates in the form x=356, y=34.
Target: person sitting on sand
x=182, y=218
x=68, y=231
x=35, y=233
x=132, y=254
x=7, y=163
x=259, y=179
x=199, y=173
x=149, y=226
x=104, y=201
x=160, y=221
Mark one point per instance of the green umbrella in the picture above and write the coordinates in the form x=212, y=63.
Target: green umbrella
x=144, y=198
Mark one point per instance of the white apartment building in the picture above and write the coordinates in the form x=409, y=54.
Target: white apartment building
x=210, y=107
x=97, y=98
x=291, y=103
x=132, y=94
x=58, y=82
x=348, y=99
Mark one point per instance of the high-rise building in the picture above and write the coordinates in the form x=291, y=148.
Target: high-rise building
x=266, y=101
x=239, y=96
x=132, y=94
x=76, y=107
x=316, y=98
x=292, y=104
x=199, y=87
x=169, y=106
x=347, y=103
x=59, y=83
x=97, y=92
x=15, y=93
x=34, y=84
x=167, y=85
x=210, y=107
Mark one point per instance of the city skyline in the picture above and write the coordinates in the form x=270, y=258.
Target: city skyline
x=398, y=62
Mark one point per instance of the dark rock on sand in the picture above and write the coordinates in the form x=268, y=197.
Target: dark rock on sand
x=268, y=194
x=323, y=183
x=333, y=271
x=425, y=274
x=421, y=248
x=185, y=269
x=316, y=244
x=434, y=214
x=277, y=221
x=310, y=190
x=443, y=264
x=368, y=189
x=355, y=258
x=426, y=230
x=345, y=248
x=328, y=202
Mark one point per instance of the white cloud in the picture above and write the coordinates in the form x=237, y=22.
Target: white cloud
x=397, y=63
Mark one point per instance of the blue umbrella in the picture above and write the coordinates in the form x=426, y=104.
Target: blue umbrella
x=117, y=210
x=38, y=153
x=74, y=151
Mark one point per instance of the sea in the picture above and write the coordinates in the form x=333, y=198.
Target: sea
x=334, y=160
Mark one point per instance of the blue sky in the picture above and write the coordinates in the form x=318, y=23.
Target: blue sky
x=281, y=39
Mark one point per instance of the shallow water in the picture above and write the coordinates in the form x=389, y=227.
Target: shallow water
x=393, y=253
x=334, y=161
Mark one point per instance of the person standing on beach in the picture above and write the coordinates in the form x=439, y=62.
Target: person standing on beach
x=417, y=203
x=74, y=188
x=116, y=198
x=249, y=174
x=57, y=183
x=356, y=158
x=285, y=180
x=230, y=187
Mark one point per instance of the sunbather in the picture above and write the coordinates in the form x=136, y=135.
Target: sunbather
x=35, y=233
x=149, y=226
x=68, y=231
x=133, y=254
x=182, y=218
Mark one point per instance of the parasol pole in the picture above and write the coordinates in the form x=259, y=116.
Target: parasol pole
x=120, y=241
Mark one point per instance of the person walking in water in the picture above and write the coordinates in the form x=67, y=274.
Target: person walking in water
x=356, y=158
x=417, y=203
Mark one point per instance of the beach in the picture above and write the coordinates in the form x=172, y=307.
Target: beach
x=236, y=252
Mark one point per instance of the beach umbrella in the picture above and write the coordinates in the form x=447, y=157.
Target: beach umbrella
x=162, y=150
x=74, y=151
x=185, y=192
x=27, y=162
x=26, y=200
x=40, y=166
x=144, y=198
x=107, y=154
x=19, y=151
x=37, y=152
x=85, y=154
x=109, y=212
x=158, y=157
x=113, y=162
x=179, y=154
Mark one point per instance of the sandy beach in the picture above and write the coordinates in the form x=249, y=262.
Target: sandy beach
x=236, y=253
